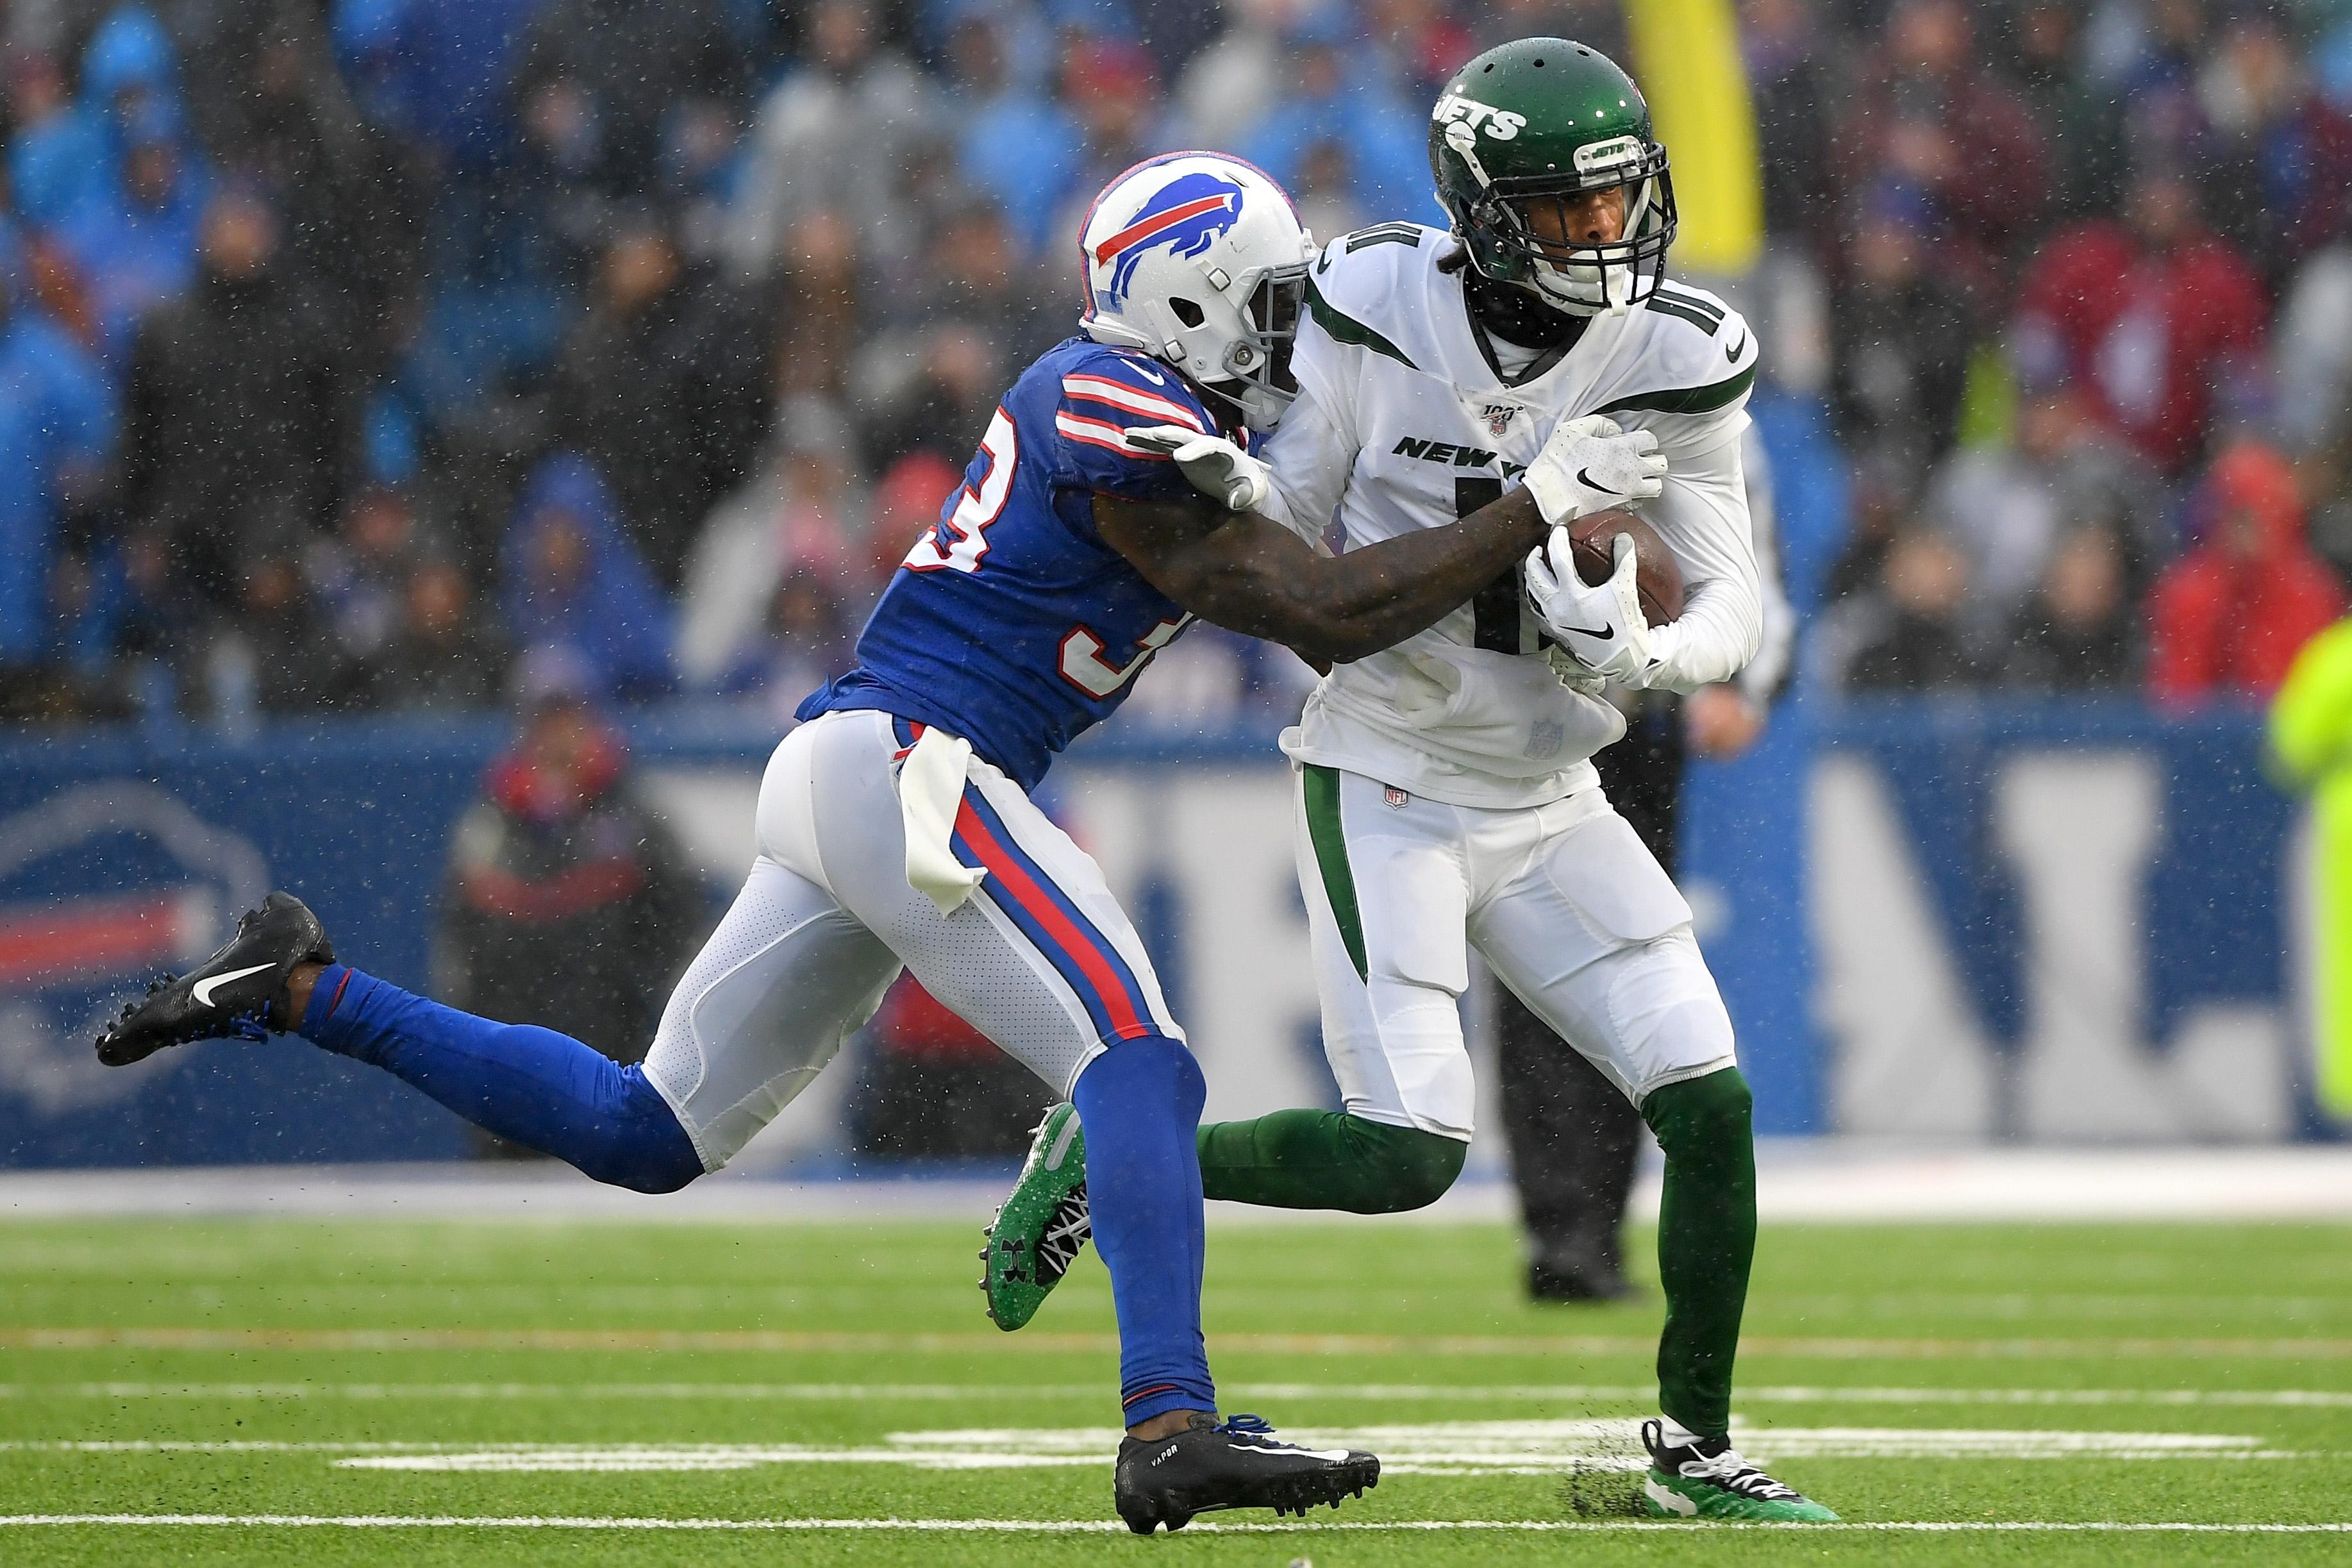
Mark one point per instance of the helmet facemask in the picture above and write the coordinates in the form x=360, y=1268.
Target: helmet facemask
x=1582, y=278
x=1256, y=358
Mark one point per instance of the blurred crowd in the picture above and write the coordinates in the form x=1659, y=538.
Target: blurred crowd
x=2084, y=273
x=353, y=351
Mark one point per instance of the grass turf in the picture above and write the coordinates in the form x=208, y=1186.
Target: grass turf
x=229, y=1368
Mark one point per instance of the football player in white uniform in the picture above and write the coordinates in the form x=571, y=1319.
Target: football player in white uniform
x=1446, y=790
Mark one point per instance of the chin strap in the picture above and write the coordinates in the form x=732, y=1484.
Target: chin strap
x=1617, y=288
x=1520, y=313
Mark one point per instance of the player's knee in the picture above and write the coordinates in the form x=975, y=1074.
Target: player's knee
x=641, y=1146
x=1192, y=1085
x=1410, y=1169
x=1701, y=1113
x=1149, y=1069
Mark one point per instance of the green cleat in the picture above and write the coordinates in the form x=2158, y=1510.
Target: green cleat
x=1708, y=1479
x=1042, y=1225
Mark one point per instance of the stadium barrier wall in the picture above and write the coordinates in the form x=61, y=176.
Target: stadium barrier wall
x=1966, y=922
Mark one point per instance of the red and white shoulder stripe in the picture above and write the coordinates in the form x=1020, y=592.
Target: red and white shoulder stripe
x=1100, y=433
x=1131, y=391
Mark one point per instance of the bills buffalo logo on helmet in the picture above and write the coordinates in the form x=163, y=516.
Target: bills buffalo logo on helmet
x=1185, y=215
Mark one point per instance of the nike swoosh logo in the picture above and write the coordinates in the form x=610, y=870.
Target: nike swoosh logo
x=1153, y=376
x=1584, y=476
x=202, y=989
x=1605, y=634
x=1736, y=349
x=1291, y=1450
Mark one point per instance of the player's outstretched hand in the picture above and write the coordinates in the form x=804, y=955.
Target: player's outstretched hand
x=1601, y=626
x=1216, y=468
x=1590, y=465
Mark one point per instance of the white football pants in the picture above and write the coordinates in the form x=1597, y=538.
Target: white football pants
x=1041, y=959
x=1564, y=902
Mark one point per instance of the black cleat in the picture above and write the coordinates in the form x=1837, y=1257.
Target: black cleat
x=229, y=993
x=1549, y=1281
x=1235, y=1463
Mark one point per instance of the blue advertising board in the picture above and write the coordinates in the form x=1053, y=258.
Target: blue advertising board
x=1934, y=842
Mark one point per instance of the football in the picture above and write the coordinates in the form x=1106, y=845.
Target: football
x=1656, y=573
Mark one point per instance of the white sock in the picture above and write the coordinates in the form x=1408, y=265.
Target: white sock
x=1674, y=1434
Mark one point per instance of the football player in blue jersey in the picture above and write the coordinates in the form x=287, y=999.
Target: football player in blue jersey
x=895, y=826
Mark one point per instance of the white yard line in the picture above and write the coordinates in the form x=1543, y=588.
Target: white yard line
x=1444, y=1447
x=1399, y=1393
x=1102, y=1527
x=790, y=1341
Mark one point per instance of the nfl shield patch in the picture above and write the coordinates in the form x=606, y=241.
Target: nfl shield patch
x=1499, y=417
x=1398, y=799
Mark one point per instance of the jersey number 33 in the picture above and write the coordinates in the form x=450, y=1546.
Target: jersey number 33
x=959, y=542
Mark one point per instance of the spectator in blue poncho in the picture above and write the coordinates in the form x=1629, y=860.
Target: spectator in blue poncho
x=1337, y=95
x=57, y=160
x=1017, y=143
x=573, y=580
x=135, y=245
x=436, y=70
x=69, y=157
x=58, y=418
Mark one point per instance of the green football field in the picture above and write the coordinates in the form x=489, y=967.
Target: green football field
x=363, y=1391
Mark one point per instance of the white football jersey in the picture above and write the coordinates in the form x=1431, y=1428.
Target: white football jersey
x=1403, y=421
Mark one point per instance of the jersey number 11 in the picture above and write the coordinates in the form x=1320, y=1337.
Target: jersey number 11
x=1500, y=619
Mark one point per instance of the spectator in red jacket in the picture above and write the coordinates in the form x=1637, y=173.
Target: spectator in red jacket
x=2152, y=314
x=2227, y=618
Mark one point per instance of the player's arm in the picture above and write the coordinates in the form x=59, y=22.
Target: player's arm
x=1768, y=672
x=1253, y=576
x=1701, y=512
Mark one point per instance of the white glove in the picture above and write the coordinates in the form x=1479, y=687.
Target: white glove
x=1602, y=629
x=1216, y=468
x=1590, y=465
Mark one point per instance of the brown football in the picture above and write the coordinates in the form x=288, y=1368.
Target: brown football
x=1656, y=573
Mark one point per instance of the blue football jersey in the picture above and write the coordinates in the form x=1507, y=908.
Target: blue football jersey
x=1011, y=623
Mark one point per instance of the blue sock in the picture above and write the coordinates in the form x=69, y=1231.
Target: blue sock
x=538, y=1087
x=1140, y=1102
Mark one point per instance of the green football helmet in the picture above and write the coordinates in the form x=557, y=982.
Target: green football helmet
x=1544, y=117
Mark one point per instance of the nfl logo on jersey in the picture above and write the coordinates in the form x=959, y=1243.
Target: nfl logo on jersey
x=1397, y=799
x=1499, y=417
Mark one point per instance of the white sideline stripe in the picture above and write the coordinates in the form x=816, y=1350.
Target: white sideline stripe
x=1564, y=1393
x=1833, y=1180
x=1104, y=1527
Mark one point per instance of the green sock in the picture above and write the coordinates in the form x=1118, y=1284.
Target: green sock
x=1706, y=1239
x=1327, y=1160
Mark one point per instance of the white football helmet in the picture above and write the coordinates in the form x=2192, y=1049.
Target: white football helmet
x=1197, y=258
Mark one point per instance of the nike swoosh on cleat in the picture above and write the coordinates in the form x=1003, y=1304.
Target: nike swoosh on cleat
x=1329, y=1456
x=202, y=989
x=1736, y=349
x=1605, y=634
x=1584, y=476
